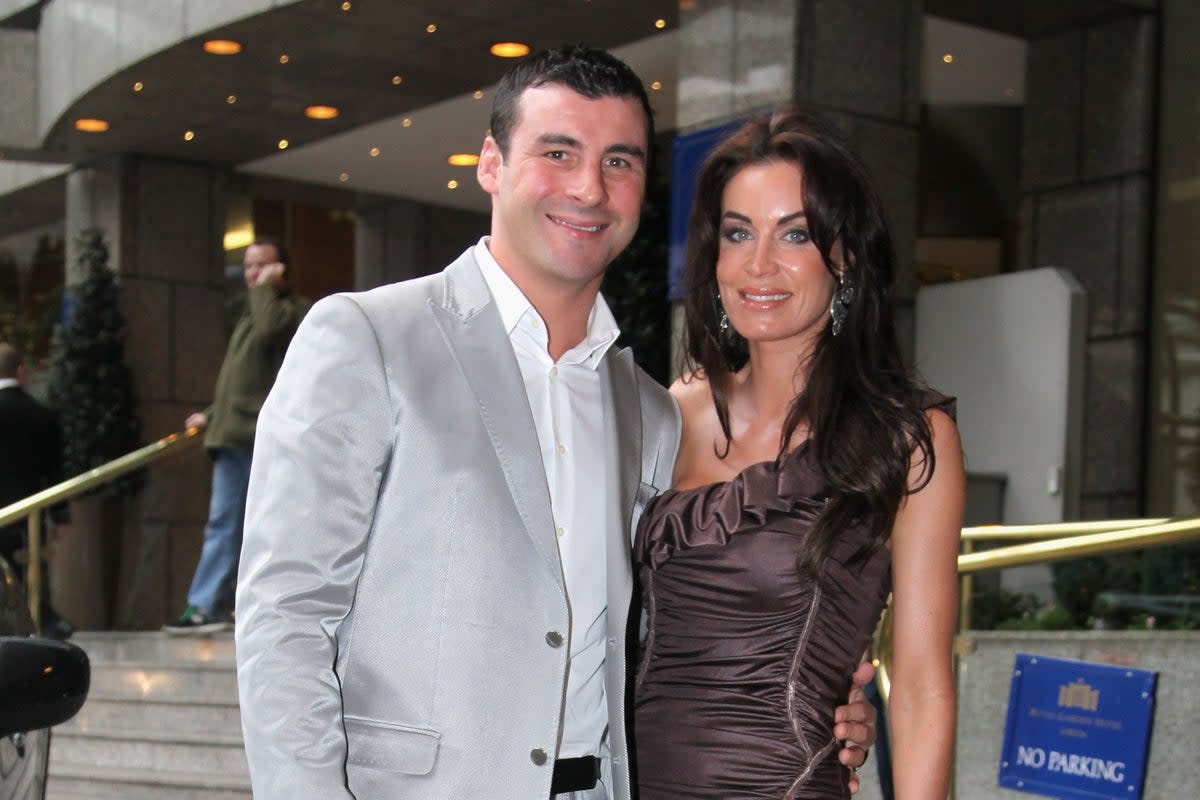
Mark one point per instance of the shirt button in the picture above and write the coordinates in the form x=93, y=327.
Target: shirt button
x=538, y=756
x=554, y=639
x=554, y=372
x=562, y=449
x=558, y=531
x=534, y=323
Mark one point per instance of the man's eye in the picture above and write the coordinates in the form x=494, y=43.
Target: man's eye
x=556, y=155
x=619, y=163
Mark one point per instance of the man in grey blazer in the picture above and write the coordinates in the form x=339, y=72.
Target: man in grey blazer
x=435, y=581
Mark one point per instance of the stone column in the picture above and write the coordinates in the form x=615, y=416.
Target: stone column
x=1086, y=204
x=856, y=61
x=163, y=222
x=1173, y=482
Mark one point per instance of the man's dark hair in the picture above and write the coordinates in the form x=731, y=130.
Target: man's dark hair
x=585, y=70
x=10, y=360
x=280, y=250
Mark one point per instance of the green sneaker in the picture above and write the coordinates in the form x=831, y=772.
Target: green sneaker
x=194, y=622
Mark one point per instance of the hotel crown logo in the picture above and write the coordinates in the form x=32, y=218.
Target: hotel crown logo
x=1078, y=694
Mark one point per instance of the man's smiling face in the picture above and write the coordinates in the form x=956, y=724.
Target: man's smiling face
x=567, y=196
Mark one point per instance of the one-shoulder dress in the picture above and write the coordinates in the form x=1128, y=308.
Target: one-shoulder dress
x=746, y=658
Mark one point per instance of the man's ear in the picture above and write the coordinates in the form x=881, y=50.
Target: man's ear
x=490, y=162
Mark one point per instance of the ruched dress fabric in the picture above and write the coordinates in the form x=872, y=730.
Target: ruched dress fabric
x=745, y=658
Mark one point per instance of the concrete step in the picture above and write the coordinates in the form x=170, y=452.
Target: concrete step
x=186, y=752
x=72, y=782
x=149, y=680
x=156, y=647
x=104, y=712
x=161, y=721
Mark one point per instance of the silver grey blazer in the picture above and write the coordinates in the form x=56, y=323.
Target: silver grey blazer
x=400, y=576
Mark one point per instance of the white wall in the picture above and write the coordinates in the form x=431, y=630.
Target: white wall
x=1011, y=348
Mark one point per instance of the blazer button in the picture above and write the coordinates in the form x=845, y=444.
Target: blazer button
x=554, y=639
x=538, y=756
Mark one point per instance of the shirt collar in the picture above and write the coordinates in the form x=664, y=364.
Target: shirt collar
x=513, y=305
x=8, y=383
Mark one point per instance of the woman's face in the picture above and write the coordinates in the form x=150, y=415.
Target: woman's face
x=773, y=282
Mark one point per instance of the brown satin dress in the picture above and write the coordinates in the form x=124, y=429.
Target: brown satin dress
x=746, y=660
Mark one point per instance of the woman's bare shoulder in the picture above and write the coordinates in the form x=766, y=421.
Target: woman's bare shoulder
x=692, y=392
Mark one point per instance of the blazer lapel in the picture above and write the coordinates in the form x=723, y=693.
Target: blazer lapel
x=475, y=334
x=623, y=446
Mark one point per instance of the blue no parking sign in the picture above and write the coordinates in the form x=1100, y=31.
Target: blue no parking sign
x=1077, y=730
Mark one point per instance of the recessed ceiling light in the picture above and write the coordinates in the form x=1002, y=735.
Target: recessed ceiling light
x=321, y=112
x=509, y=49
x=656, y=85
x=189, y=135
x=283, y=144
x=463, y=159
x=406, y=122
x=660, y=23
x=478, y=94
x=373, y=152
x=948, y=58
x=222, y=47
x=138, y=86
x=91, y=125
x=1010, y=91
x=451, y=184
x=431, y=28
x=343, y=176
x=231, y=99
x=284, y=58
x=397, y=80
x=346, y=5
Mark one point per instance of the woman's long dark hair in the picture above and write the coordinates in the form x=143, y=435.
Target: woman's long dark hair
x=860, y=404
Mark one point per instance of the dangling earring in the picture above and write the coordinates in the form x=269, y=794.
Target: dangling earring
x=839, y=304
x=722, y=320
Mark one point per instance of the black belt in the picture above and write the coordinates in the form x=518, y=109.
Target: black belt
x=575, y=774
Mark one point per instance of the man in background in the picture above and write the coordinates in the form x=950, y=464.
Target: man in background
x=256, y=348
x=30, y=461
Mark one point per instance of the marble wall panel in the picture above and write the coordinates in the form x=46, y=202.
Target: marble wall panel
x=1133, y=264
x=177, y=236
x=147, y=308
x=1118, y=97
x=1053, y=93
x=184, y=540
x=1027, y=233
x=891, y=153
x=144, y=580
x=177, y=488
x=1112, y=434
x=198, y=343
x=861, y=55
x=1079, y=229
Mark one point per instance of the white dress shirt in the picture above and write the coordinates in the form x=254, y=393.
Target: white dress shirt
x=565, y=398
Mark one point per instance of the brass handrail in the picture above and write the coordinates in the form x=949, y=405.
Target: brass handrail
x=1059, y=542
x=73, y=487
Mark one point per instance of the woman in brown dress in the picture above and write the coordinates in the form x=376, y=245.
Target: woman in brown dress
x=815, y=475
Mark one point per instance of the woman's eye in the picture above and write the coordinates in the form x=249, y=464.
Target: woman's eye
x=735, y=234
x=798, y=236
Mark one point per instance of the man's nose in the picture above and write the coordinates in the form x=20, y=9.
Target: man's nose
x=588, y=185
